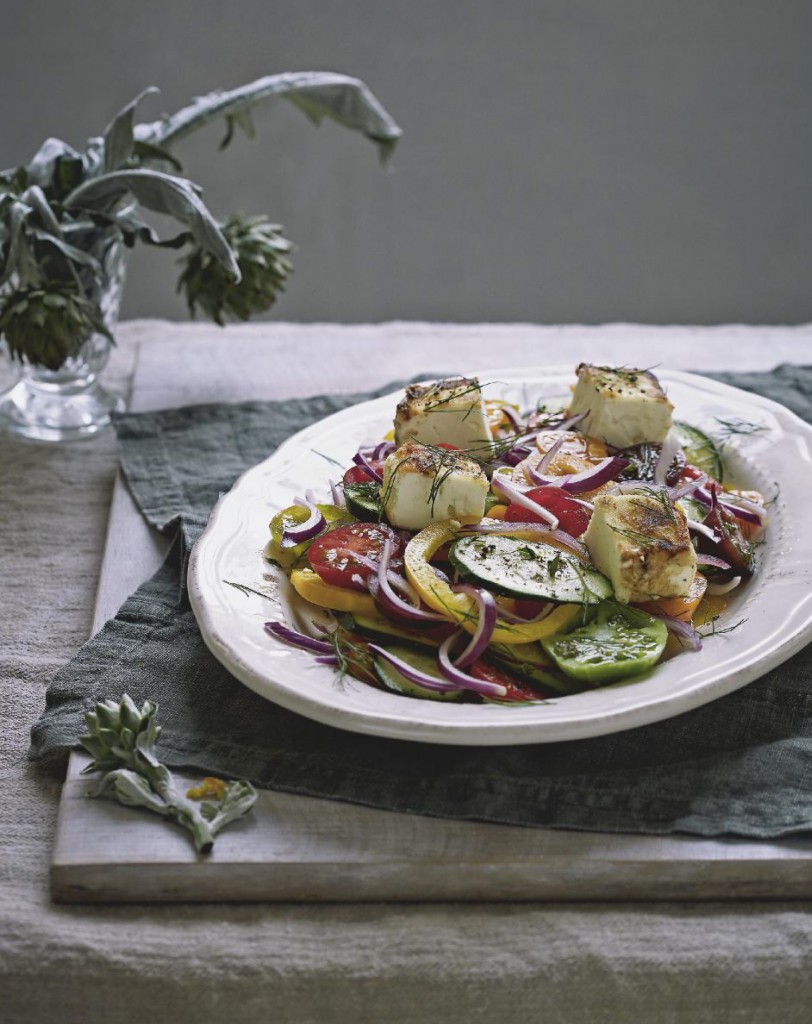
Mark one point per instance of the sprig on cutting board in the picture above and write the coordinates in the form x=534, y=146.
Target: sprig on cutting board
x=122, y=740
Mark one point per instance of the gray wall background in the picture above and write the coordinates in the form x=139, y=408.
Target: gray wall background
x=563, y=160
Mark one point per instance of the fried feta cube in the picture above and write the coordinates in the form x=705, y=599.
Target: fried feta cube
x=624, y=407
x=423, y=484
x=641, y=542
x=445, y=412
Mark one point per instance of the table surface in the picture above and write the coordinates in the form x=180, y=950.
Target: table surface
x=310, y=963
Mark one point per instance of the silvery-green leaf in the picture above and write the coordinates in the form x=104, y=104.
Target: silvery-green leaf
x=318, y=93
x=41, y=168
x=118, y=135
x=147, y=153
x=20, y=259
x=35, y=198
x=79, y=256
x=162, y=193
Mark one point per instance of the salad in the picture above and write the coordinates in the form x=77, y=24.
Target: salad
x=483, y=552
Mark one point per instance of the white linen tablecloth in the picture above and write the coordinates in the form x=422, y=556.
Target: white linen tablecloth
x=361, y=963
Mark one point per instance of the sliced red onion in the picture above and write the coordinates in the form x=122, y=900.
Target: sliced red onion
x=298, y=532
x=327, y=659
x=361, y=460
x=512, y=493
x=571, y=421
x=670, y=449
x=718, y=563
x=684, y=630
x=293, y=636
x=550, y=454
x=383, y=449
x=411, y=673
x=544, y=533
x=686, y=488
x=587, y=480
x=752, y=513
x=507, y=616
x=706, y=531
x=461, y=679
x=516, y=455
x=337, y=493
x=715, y=589
x=486, y=606
x=382, y=590
x=515, y=420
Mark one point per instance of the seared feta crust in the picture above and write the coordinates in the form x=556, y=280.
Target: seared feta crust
x=448, y=411
x=422, y=485
x=641, y=542
x=625, y=407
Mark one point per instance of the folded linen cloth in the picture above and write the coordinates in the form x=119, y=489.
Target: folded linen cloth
x=738, y=766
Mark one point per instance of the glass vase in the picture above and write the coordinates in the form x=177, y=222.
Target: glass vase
x=70, y=403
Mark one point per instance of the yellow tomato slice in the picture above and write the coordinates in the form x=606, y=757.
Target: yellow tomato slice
x=461, y=608
x=312, y=588
x=679, y=607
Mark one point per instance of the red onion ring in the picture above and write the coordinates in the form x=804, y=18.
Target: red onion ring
x=670, y=448
x=749, y=513
x=412, y=674
x=507, y=616
x=706, y=531
x=512, y=416
x=486, y=606
x=683, y=630
x=571, y=421
x=461, y=679
x=382, y=590
x=716, y=589
x=360, y=460
x=587, y=480
x=550, y=454
x=512, y=493
x=337, y=494
x=298, y=532
x=293, y=636
x=718, y=563
x=686, y=488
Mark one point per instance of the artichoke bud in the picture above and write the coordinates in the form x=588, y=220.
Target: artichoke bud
x=47, y=324
x=130, y=718
x=260, y=250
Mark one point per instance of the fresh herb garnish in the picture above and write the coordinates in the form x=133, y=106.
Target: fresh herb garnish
x=121, y=740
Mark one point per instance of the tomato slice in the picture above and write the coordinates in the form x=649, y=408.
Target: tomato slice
x=346, y=557
x=518, y=691
x=572, y=517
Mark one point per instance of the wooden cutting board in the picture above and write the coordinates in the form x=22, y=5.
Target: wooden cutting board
x=294, y=848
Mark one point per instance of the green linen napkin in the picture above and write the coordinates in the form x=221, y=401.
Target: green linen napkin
x=740, y=765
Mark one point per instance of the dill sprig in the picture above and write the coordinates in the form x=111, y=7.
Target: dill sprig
x=713, y=631
x=735, y=425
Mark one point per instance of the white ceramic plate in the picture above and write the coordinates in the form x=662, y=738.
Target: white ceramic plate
x=776, y=605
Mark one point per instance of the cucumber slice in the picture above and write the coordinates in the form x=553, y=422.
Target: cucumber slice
x=619, y=642
x=528, y=568
x=382, y=630
x=364, y=501
x=700, y=450
x=528, y=661
x=421, y=660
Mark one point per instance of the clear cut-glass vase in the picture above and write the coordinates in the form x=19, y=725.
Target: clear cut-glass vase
x=70, y=403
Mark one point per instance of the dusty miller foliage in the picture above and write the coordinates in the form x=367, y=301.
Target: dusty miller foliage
x=61, y=212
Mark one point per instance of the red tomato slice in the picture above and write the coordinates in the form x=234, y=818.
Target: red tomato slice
x=572, y=517
x=517, y=689
x=358, y=475
x=352, y=551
